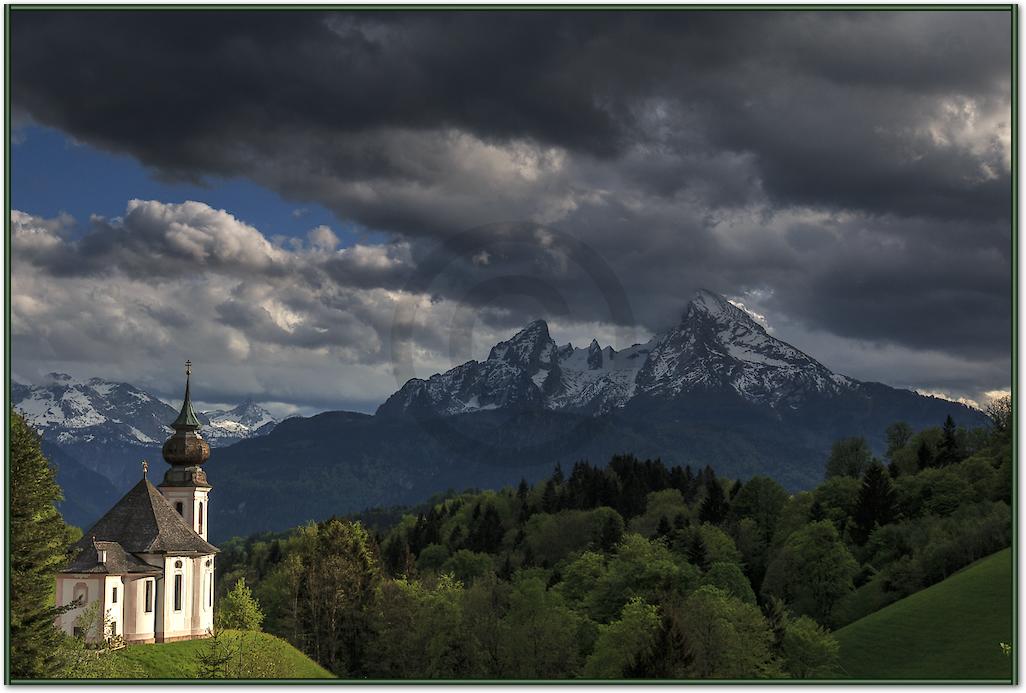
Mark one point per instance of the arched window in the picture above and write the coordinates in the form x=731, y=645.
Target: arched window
x=201, y=518
x=180, y=508
x=79, y=593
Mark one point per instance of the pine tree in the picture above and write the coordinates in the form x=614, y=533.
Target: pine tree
x=714, y=508
x=37, y=548
x=550, y=501
x=557, y=474
x=735, y=489
x=522, y=490
x=698, y=554
x=816, y=512
x=876, y=505
x=664, y=528
x=924, y=457
x=949, y=451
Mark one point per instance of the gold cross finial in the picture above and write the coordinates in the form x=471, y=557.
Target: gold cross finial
x=188, y=367
x=146, y=466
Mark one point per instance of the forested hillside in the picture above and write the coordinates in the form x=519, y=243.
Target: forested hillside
x=590, y=573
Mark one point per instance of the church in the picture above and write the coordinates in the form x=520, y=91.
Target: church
x=147, y=560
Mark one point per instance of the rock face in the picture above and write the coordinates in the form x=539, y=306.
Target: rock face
x=716, y=348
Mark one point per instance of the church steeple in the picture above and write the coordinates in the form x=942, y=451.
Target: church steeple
x=187, y=417
x=185, y=483
x=186, y=450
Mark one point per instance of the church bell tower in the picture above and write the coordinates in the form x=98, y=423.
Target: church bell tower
x=185, y=483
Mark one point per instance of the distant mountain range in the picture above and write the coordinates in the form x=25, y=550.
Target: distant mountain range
x=97, y=432
x=716, y=389
x=716, y=348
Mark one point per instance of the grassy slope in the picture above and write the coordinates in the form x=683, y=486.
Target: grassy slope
x=177, y=660
x=951, y=630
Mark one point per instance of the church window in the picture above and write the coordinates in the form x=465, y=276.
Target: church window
x=178, y=591
x=178, y=564
x=210, y=589
x=113, y=628
x=180, y=508
x=148, y=602
x=79, y=593
x=201, y=518
x=114, y=596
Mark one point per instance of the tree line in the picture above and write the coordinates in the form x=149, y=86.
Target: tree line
x=628, y=570
x=589, y=573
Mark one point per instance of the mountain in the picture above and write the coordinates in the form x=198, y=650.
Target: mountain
x=716, y=348
x=227, y=426
x=716, y=389
x=97, y=432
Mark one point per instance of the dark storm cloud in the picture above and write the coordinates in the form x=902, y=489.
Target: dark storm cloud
x=850, y=170
x=830, y=104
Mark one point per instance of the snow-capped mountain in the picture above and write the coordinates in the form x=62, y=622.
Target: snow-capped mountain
x=716, y=347
x=225, y=426
x=97, y=411
x=67, y=411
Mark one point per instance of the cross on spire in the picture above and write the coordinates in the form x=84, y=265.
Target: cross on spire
x=187, y=417
x=146, y=467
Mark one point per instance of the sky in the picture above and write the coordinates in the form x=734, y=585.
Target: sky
x=315, y=206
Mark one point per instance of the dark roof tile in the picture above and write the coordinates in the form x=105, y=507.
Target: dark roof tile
x=143, y=521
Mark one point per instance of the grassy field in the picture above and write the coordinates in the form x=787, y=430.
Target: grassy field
x=951, y=630
x=265, y=656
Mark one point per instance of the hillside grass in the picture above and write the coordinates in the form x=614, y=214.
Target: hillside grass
x=271, y=656
x=951, y=630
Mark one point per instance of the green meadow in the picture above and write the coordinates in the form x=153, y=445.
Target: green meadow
x=952, y=630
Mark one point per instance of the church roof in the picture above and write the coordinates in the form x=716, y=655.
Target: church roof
x=143, y=521
x=117, y=561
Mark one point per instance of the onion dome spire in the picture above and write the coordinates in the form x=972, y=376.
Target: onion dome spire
x=187, y=417
x=186, y=450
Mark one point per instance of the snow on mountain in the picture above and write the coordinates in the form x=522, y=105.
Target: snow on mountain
x=223, y=426
x=715, y=347
x=70, y=411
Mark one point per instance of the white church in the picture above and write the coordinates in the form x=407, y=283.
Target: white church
x=147, y=561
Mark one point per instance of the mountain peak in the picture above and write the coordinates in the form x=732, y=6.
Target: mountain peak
x=706, y=302
x=525, y=346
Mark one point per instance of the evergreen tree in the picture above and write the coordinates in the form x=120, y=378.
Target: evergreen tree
x=522, y=490
x=714, y=508
x=698, y=553
x=550, y=501
x=38, y=549
x=735, y=489
x=924, y=458
x=876, y=505
x=557, y=474
x=664, y=528
x=949, y=451
x=816, y=512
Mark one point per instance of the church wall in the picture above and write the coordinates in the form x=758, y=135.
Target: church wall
x=139, y=624
x=203, y=610
x=66, y=585
x=115, y=610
